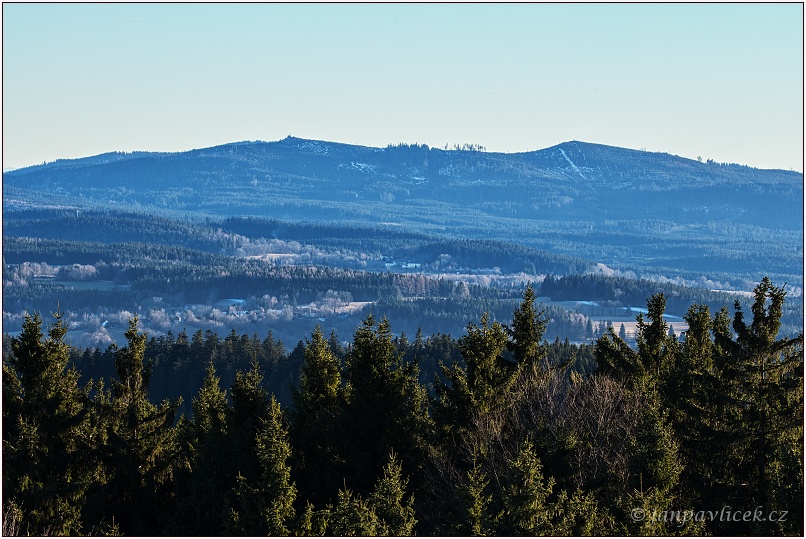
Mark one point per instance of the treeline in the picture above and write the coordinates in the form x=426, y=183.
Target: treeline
x=447, y=314
x=226, y=236
x=112, y=226
x=248, y=278
x=411, y=246
x=507, y=257
x=21, y=249
x=359, y=237
x=176, y=360
x=658, y=440
x=623, y=292
x=188, y=276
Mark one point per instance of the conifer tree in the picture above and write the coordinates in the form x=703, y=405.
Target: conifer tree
x=141, y=443
x=655, y=467
x=266, y=502
x=648, y=366
x=312, y=523
x=386, y=409
x=210, y=407
x=614, y=357
x=211, y=478
x=655, y=347
x=47, y=461
x=655, y=463
x=526, y=508
x=250, y=408
x=395, y=513
x=764, y=378
x=336, y=347
x=694, y=388
x=385, y=513
x=351, y=517
x=487, y=371
x=479, y=403
x=477, y=519
x=315, y=416
x=274, y=451
x=320, y=380
x=527, y=330
x=531, y=507
x=481, y=385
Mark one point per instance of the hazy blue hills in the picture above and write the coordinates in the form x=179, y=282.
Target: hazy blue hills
x=654, y=212
x=568, y=181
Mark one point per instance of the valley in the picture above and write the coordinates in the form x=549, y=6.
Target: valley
x=296, y=230
x=254, y=276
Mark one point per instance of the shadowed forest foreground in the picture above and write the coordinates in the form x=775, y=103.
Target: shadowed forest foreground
x=693, y=436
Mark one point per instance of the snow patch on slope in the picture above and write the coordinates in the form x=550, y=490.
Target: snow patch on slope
x=314, y=146
x=573, y=166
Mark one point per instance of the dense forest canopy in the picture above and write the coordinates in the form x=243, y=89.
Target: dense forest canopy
x=512, y=435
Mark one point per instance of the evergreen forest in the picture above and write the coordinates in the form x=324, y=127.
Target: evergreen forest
x=499, y=432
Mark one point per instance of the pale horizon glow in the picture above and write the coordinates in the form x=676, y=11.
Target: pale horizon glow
x=718, y=81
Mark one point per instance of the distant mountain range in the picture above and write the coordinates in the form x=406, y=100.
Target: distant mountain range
x=626, y=208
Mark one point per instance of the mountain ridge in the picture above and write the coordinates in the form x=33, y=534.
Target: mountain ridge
x=113, y=156
x=618, y=206
x=543, y=181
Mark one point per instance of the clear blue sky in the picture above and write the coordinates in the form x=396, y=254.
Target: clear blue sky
x=722, y=81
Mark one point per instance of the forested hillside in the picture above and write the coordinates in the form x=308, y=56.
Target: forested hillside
x=513, y=436
x=252, y=275
x=651, y=213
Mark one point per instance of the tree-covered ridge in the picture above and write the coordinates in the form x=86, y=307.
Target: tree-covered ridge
x=612, y=205
x=512, y=437
x=345, y=244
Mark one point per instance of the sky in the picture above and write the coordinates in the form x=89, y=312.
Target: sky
x=718, y=81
